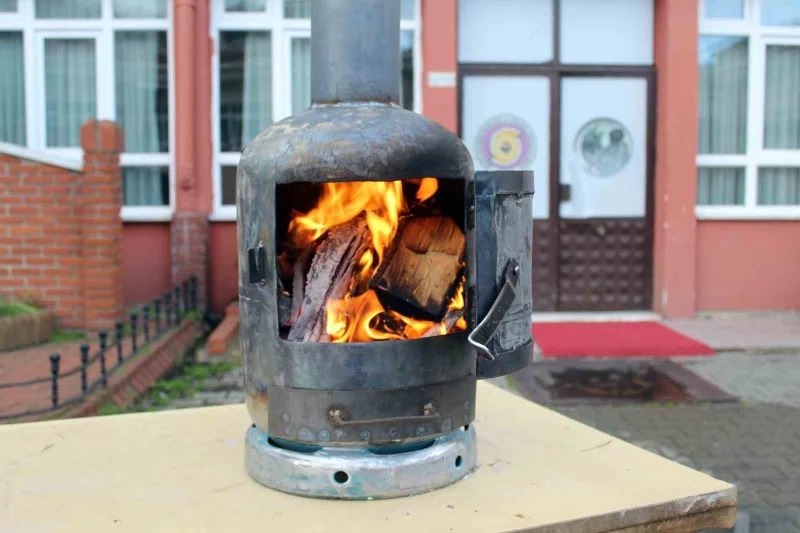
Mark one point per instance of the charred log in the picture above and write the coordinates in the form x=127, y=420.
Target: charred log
x=421, y=268
x=329, y=278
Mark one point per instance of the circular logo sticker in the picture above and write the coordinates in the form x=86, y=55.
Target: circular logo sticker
x=605, y=146
x=506, y=142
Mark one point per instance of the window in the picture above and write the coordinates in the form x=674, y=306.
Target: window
x=12, y=88
x=68, y=61
x=748, y=162
x=263, y=74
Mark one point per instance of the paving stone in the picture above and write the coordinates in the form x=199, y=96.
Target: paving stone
x=743, y=330
x=772, y=520
x=763, y=378
x=754, y=444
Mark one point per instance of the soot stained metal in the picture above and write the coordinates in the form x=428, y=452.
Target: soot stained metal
x=387, y=418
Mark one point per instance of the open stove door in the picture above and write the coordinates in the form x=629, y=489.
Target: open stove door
x=503, y=223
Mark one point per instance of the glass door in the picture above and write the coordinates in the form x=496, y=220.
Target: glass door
x=604, y=241
x=505, y=123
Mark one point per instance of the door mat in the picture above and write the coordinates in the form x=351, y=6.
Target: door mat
x=614, y=339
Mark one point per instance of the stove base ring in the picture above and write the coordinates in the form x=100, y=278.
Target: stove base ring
x=357, y=473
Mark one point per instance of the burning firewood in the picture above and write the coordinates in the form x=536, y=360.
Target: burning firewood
x=329, y=277
x=451, y=317
x=421, y=267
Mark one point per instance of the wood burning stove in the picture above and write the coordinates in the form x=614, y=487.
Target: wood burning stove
x=379, y=278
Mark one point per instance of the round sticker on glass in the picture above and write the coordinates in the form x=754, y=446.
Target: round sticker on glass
x=506, y=142
x=605, y=146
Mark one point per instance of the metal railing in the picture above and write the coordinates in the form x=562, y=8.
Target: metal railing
x=148, y=323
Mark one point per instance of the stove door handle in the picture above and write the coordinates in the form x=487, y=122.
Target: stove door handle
x=486, y=329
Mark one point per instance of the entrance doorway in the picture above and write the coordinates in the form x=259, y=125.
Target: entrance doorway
x=587, y=131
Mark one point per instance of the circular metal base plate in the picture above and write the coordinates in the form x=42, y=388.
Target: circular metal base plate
x=358, y=473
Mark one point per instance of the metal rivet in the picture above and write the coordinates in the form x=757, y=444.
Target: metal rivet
x=287, y=430
x=420, y=430
x=337, y=415
x=324, y=435
x=392, y=433
x=305, y=434
x=285, y=417
x=339, y=434
x=447, y=424
x=365, y=435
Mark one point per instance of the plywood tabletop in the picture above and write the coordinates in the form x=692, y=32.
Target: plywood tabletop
x=183, y=471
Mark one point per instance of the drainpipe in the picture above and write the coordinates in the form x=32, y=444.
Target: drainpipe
x=184, y=15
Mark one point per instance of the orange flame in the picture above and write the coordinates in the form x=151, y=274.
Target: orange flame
x=381, y=201
x=362, y=317
x=359, y=319
x=427, y=188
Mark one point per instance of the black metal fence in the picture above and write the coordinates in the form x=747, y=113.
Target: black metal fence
x=113, y=348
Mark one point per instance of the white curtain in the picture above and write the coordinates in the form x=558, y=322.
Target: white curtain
x=780, y=12
x=144, y=186
x=257, y=85
x=136, y=67
x=244, y=5
x=723, y=95
x=301, y=74
x=779, y=186
x=140, y=9
x=723, y=117
x=407, y=9
x=720, y=186
x=12, y=89
x=297, y=9
x=301, y=9
x=68, y=9
x=782, y=98
x=724, y=9
x=70, y=89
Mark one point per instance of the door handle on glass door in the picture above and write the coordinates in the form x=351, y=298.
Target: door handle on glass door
x=564, y=192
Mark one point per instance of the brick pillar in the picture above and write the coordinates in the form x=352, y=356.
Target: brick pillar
x=99, y=201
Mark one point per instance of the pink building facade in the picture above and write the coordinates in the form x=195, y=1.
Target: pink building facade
x=663, y=133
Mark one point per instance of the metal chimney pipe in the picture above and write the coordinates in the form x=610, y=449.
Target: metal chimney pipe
x=355, y=51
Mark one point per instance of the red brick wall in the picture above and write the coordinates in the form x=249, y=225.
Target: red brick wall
x=146, y=261
x=60, y=232
x=223, y=282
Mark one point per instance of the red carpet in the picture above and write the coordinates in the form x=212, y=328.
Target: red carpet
x=614, y=339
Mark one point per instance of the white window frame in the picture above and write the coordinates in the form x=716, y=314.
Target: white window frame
x=755, y=156
x=282, y=30
x=35, y=31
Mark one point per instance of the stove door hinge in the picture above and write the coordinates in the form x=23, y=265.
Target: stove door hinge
x=471, y=205
x=257, y=264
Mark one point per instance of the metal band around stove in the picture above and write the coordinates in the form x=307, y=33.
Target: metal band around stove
x=376, y=365
x=371, y=416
